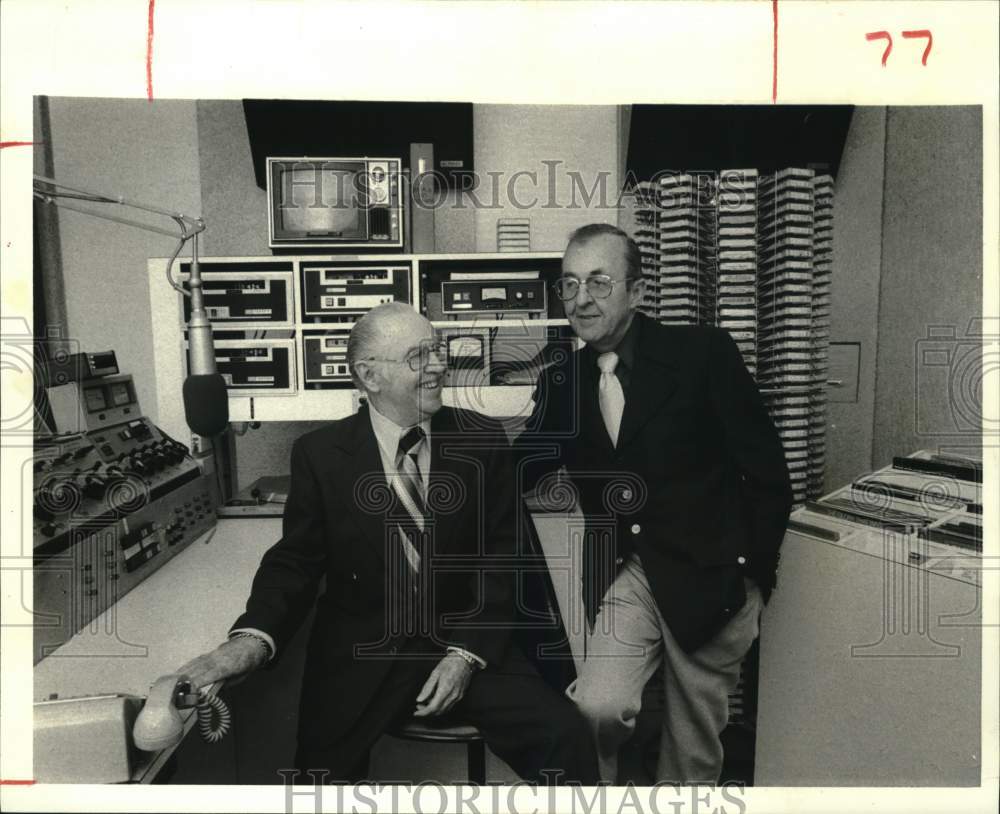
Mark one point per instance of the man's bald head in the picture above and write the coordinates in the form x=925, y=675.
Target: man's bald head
x=395, y=360
x=372, y=335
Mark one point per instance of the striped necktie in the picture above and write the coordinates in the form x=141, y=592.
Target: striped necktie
x=409, y=486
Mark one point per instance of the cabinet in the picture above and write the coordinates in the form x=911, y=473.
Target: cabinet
x=871, y=648
x=305, y=306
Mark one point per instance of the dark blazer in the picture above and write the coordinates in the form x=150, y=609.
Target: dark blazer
x=335, y=522
x=697, y=485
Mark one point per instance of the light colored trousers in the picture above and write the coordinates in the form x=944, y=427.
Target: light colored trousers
x=629, y=641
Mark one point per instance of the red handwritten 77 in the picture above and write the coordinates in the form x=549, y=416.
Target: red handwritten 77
x=907, y=35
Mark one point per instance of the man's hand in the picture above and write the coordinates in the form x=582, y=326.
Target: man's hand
x=235, y=657
x=445, y=686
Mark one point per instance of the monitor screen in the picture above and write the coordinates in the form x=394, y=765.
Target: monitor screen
x=321, y=199
x=120, y=394
x=466, y=351
x=94, y=397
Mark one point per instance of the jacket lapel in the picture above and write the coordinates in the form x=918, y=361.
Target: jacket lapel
x=372, y=497
x=653, y=382
x=590, y=406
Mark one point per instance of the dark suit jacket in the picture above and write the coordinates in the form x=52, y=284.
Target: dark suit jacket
x=335, y=526
x=697, y=485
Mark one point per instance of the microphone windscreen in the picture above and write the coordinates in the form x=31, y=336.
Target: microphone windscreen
x=206, y=404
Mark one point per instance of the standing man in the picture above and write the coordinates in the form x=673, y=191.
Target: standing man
x=682, y=479
x=408, y=509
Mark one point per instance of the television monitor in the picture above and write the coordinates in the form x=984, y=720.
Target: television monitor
x=335, y=202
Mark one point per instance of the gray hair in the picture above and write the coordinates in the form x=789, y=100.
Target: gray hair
x=633, y=259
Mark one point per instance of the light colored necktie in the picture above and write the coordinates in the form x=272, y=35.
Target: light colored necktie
x=610, y=395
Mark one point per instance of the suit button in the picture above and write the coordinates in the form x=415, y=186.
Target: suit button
x=741, y=560
x=354, y=577
x=636, y=528
x=619, y=560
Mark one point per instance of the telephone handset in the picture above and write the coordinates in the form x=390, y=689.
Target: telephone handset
x=159, y=725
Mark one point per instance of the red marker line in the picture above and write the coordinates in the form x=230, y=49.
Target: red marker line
x=149, y=52
x=17, y=782
x=774, y=54
x=17, y=144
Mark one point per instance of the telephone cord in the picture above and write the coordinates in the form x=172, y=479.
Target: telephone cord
x=213, y=718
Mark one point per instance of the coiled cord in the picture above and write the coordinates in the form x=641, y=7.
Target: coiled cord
x=213, y=718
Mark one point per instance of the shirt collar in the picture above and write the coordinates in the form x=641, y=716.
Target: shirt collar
x=388, y=432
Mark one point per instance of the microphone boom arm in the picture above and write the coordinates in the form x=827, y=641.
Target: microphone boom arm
x=50, y=191
x=204, y=382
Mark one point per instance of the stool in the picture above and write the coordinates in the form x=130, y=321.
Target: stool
x=430, y=730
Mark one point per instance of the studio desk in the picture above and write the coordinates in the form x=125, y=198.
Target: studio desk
x=183, y=609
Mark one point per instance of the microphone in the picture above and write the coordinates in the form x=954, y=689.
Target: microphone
x=206, y=402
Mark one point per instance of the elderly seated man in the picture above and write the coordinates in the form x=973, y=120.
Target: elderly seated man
x=409, y=509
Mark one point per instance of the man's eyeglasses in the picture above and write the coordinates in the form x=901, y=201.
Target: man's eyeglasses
x=419, y=359
x=599, y=286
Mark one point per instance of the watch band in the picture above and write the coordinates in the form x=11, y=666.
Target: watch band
x=467, y=657
x=245, y=634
